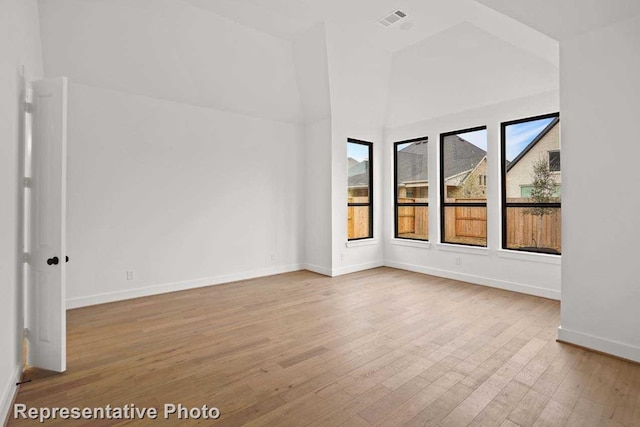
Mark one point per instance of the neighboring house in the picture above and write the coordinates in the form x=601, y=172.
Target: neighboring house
x=545, y=146
x=413, y=172
x=465, y=169
x=358, y=173
x=351, y=162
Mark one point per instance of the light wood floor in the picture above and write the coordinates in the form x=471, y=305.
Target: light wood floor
x=381, y=347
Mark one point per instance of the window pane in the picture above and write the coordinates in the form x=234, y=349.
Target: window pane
x=358, y=222
x=413, y=222
x=359, y=171
x=465, y=225
x=412, y=172
x=554, y=161
x=532, y=151
x=465, y=166
x=534, y=229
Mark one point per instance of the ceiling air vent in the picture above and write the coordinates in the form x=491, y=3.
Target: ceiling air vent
x=392, y=18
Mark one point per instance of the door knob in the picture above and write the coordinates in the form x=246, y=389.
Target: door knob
x=67, y=258
x=53, y=261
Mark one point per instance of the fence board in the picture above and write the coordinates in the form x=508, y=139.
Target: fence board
x=523, y=229
x=463, y=222
x=413, y=220
x=357, y=218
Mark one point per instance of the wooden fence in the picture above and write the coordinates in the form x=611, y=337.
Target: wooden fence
x=357, y=218
x=466, y=224
x=523, y=229
x=413, y=221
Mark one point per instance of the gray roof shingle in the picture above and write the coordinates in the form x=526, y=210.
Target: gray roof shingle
x=413, y=161
x=359, y=174
x=460, y=155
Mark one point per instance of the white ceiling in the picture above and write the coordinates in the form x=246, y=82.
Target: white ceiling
x=237, y=55
x=462, y=68
x=289, y=18
x=563, y=19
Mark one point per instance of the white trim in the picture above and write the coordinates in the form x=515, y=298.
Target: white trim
x=463, y=249
x=9, y=392
x=355, y=268
x=325, y=271
x=530, y=256
x=410, y=243
x=363, y=242
x=604, y=345
x=478, y=280
x=177, y=286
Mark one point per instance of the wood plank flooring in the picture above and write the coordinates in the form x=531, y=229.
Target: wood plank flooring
x=382, y=347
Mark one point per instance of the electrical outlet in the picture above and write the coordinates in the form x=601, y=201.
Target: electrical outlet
x=342, y=256
x=130, y=275
x=458, y=261
x=274, y=257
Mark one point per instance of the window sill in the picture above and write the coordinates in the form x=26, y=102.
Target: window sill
x=463, y=249
x=530, y=256
x=363, y=242
x=411, y=243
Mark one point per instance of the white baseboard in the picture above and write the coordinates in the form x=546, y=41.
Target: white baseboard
x=478, y=280
x=603, y=345
x=9, y=392
x=355, y=268
x=325, y=271
x=177, y=286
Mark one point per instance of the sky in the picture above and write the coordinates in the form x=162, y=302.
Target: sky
x=521, y=134
x=477, y=138
x=357, y=151
x=518, y=136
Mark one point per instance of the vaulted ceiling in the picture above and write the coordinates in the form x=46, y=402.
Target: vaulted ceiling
x=563, y=19
x=288, y=18
x=241, y=55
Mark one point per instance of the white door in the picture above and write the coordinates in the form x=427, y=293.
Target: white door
x=46, y=307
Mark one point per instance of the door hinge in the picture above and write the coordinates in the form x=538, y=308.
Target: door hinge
x=26, y=333
x=26, y=257
x=27, y=182
x=28, y=107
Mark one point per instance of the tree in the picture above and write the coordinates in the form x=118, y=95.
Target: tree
x=543, y=191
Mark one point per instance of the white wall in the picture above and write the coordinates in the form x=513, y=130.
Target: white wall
x=182, y=195
x=600, y=100
x=19, y=45
x=171, y=50
x=312, y=69
x=534, y=274
x=317, y=197
x=359, y=81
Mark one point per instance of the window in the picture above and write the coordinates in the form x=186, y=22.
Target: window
x=554, y=161
x=359, y=189
x=463, y=185
x=411, y=177
x=531, y=185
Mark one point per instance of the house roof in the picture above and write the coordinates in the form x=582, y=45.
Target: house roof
x=460, y=156
x=533, y=143
x=359, y=174
x=413, y=164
